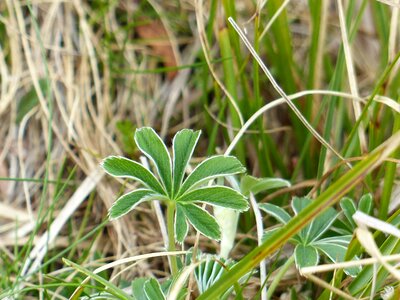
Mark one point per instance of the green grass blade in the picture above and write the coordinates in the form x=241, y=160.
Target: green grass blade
x=390, y=172
x=202, y=221
x=111, y=288
x=128, y=202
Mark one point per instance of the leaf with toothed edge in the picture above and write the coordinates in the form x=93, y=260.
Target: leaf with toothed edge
x=181, y=225
x=183, y=145
x=154, y=148
x=213, y=167
x=202, y=221
x=118, y=166
x=127, y=202
x=216, y=195
x=257, y=185
x=275, y=211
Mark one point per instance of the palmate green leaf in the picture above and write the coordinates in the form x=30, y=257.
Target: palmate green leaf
x=127, y=202
x=305, y=256
x=319, y=225
x=119, y=166
x=213, y=167
x=153, y=290
x=153, y=147
x=216, y=195
x=202, y=221
x=275, y=211
x=183, y=146
x=181, y=225
x=257, y=185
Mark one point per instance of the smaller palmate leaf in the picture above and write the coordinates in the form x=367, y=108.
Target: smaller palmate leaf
x=275, y=211
x=202, y=221
x=118, y=166
x=153, y=290
x=306, y=256
x=127, y=202
x=183, y=146
x=216, y=195
x=181, y=225
x=154, y=148
x=257, y=185
x=213, y=167
x=319, y=225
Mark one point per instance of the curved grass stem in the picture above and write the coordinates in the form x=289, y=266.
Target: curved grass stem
x=279, y=276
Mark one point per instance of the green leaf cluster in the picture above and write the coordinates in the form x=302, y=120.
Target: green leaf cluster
x=311, y=241
x=170, y=185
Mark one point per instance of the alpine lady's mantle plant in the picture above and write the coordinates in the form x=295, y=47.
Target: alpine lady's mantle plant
x=181, y=195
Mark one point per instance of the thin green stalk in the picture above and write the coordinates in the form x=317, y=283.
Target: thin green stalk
x=325, y=200
x=231, y=86
x=263, y=153
x=85, y=221
x=380, y=17
x=390, y=172
x=279, y=47
x=171, y=236
x=242, y=76
x=111, y=288
x=364, y=112
x=335, y=84
x=279, y=276
x=34, y=180
x=315, y=54
x=210, y=125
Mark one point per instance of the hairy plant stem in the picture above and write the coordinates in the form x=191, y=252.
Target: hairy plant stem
x=278, y=277
x=171, y=236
